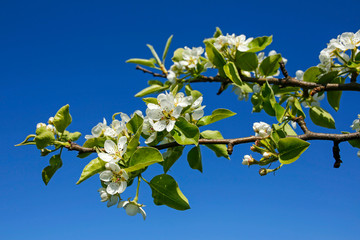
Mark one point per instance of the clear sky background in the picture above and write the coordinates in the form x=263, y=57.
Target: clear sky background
x=59, y=52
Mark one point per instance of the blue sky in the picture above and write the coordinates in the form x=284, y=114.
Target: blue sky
x=74, y=52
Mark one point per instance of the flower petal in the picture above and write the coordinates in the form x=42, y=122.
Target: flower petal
x=121, y=142
x=113, y=188
x=106, y=176
x=106, y=157
x=159, y=126
x=112, y=201
x=110, y=147
x=170, y=125
x=143, y=213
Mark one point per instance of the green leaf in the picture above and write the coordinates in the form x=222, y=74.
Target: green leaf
x=215, y=116
x=155, y=82
x=259, y=43
x=321, y=117
x=154, y=54
x=232, y=73
x=135, y=123
x=219, y=149
x=95, y=142
x=328, y=77
x=298, y=107
x=166, y=191
x=178, y=55
x=334, y=97
x=279, y=111
x=93, y=167
x=43, y=138
x=143, y=157
x=62, y=119
x=151, y=89
x=185, y=133
x=247, y=61
x=214, y=55
x=194, y=158
x=150, y=100
x=290, y=149
x=71, y=136
x=171, y=156
x=167, y=45
x=217, y=33
x=27, y=141
x=134, y=140
x=145, y=62
x=269, y=100
x=355, y=142
x=49, y=171
x=311, y=75
x=270, y=65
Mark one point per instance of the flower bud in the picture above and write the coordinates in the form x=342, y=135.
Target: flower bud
x=263, y=171
x=248, y=160
x=253, y=148
x=51, y=121
x=39, y=125
x=266, y=154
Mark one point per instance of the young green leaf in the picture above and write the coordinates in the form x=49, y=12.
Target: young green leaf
x=215, y=116
x=62, y=119
x=93, y=167
x=219, y=149
x=311, y=75
x=194, y=158
x=151, y=89
x=178, y=55
x=143, y=157
x=232, y=73
x=145, y=62
x=270, y=65
x=247, y=61
x=321, y=117
x=290, y=149
x=259, y=43
x=217, y=33
x=49, y=171
x=185, y=133
x=171, y=156
x=214, y=55
x=334, y=97
x=167, y=45
x=154, y=54
x=43, y=138
x=166, y=191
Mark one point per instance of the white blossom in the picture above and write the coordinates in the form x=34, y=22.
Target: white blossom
x=112, y=199
x=191, y=56
x=266, y=154
x=256, y=88
x=262, y=129
x=132, y=208
x=358, y=153
x=299, y=75
x=247, y=160
x=240, y=93
x=97, y=130
x=171, y=76
x=356, y=124
x=39, y=125
x=113, y=152
x=51, y=120
x=115, y=178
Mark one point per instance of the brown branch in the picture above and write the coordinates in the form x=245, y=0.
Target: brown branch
x=290, y=82
x=354, y=75
x=336, y=154
x=150, y=72
x=235, y=141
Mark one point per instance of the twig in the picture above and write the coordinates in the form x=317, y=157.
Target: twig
x=150, y=72
x=336, y=154
x=283, y=70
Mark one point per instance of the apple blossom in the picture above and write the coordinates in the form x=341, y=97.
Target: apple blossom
x=132, y=208
x=113, y=152
x=115, y=178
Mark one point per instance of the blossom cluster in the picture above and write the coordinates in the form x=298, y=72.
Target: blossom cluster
x=191, y=61
x=230, y=43
x=50, y=126
x=338, y=49
x=262, y=129
x=162, y=116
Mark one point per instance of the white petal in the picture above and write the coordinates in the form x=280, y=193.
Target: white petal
x=121, y=187
x=170, y=125
x=124, y=174
x=110, y=147
x=112, y=201
x=197, y=102
x=113, y=188
x=152, y=106
x=122, y=204
x=114, y=167
x=159, y=126
x=106, y=157
x=143, y=213
x=106, y=176
x=121, y=142
x=131, y=209
x=167, y=105
x=177, y=112
x=151, y=138
x=155, y=114
x=198, y=113
x=161, y=97
x=124, y=117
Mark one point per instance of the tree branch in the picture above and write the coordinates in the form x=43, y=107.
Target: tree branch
x=150, y=72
